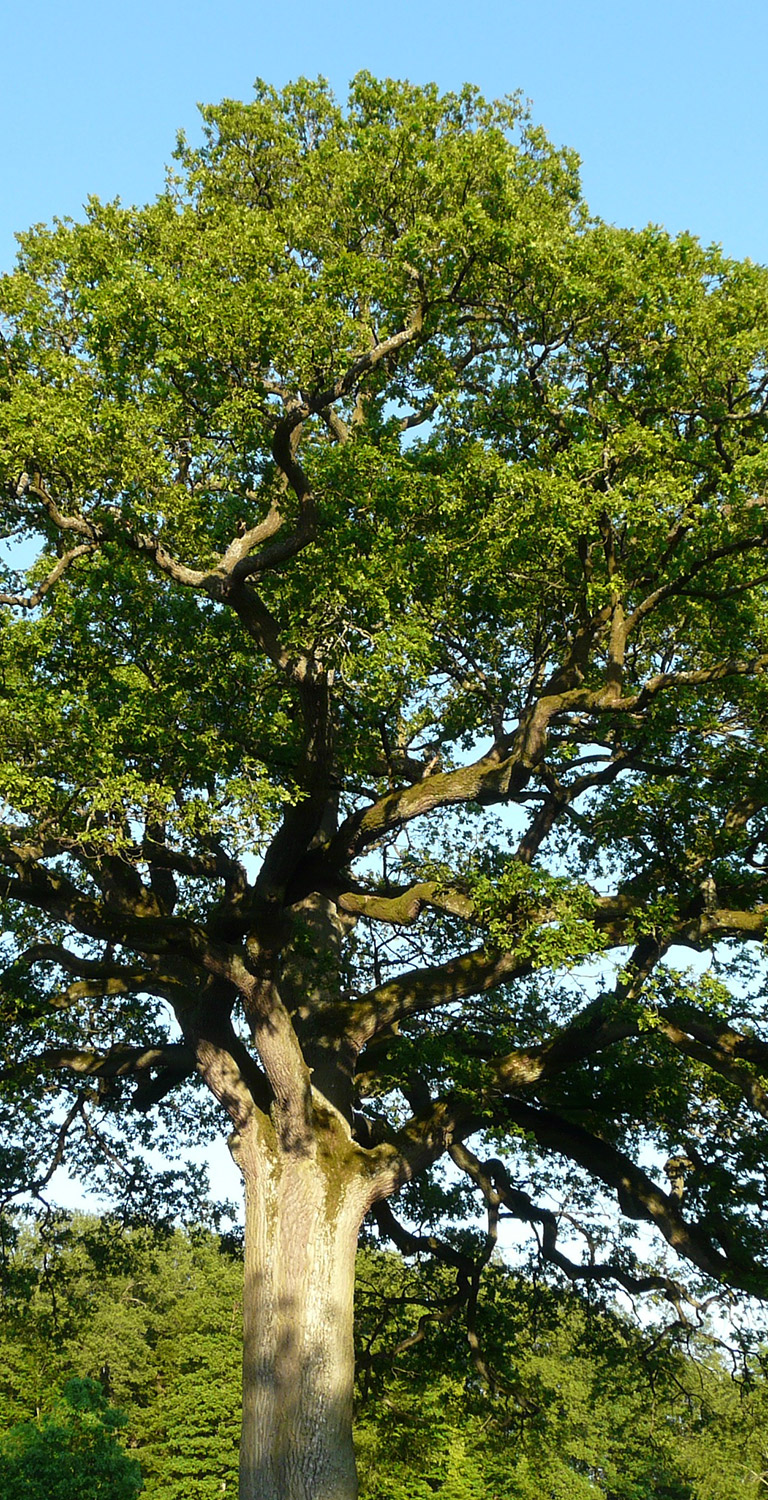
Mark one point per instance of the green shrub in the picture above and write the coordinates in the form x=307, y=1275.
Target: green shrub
x=72, y=1452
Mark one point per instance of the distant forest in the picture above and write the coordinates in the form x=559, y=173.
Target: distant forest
x=563, y=1398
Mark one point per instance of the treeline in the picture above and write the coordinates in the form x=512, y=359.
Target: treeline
x=561, y=1399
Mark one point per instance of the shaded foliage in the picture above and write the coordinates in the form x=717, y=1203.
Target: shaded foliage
x=71, y=1452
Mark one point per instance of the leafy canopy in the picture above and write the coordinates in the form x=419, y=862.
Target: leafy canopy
x=71, y=1453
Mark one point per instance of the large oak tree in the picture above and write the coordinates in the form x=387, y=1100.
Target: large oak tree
x=384, y=643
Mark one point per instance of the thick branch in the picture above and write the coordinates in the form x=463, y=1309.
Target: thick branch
x=373, y=356
x=449, y=1122
x=118, y=1062
x=404, y=908
x=493, y=778
x=129, y=923
x=31, y=601
x=724, y=1051
x=95, y=969
x=423, y=989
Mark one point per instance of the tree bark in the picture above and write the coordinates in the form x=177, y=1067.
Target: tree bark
x=303, y=1214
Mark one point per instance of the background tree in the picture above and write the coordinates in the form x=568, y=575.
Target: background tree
x=155, y=1316
x=70, y=1453
x=393, y=648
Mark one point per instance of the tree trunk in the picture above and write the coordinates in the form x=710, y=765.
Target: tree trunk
x=303, y=1215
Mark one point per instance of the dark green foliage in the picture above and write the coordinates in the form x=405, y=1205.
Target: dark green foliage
x=573, y=1403
x=70, y=1453
x=157, y=1319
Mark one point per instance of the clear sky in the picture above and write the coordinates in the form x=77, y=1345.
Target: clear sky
x=664, y=100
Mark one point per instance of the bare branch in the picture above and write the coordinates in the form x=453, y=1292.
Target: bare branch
x=31, y=601
x=492, y=1178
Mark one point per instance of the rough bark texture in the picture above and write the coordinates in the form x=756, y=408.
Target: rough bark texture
x=303, y=1214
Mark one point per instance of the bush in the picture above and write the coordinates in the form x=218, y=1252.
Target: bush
x=72, y=1452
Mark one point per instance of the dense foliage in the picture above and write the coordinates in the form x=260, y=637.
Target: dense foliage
x=70, y=1453
x=581, y=1405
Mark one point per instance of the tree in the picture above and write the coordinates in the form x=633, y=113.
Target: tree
x=584, y=1403
x=392, y=646
x=154, y=1316
x=72, y=1453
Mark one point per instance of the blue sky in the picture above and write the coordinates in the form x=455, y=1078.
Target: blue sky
x=663, y=100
